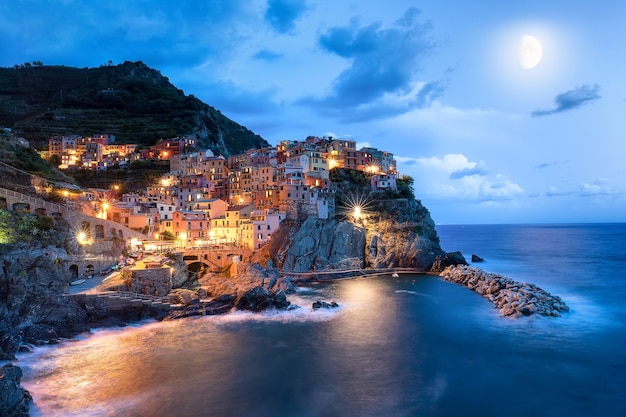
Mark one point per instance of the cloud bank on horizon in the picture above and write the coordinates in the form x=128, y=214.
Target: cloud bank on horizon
x=441, y=86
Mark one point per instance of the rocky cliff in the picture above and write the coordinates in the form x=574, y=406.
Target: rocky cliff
x=395, y=233
x=33, y=309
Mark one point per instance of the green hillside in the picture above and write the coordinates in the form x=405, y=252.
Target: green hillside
x=131, y=101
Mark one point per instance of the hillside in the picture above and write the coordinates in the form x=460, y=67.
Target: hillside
x=131, y=101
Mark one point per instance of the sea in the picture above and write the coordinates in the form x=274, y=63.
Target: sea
x=409, y=346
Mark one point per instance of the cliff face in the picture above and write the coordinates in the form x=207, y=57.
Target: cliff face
x=32, y=306
x=399, y=233
x=326, y=244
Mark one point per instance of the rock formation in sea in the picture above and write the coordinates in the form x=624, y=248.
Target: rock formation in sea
x=14, y=400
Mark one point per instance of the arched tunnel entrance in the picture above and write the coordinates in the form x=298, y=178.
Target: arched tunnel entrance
x=74, y=271
x=196, y=269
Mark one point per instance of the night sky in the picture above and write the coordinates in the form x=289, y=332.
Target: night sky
x=440, y=84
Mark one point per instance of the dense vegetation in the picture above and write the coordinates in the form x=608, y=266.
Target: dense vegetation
x=18, y=162
x=131, y=101
x=25, y=227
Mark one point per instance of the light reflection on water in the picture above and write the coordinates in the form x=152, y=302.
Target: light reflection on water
x=410, y=346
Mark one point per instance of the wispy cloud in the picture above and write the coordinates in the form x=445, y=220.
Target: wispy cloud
x=596, y=188
x=267, y=55
x=571, y=99
x=282, y=15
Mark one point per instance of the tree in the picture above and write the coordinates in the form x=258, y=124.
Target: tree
x=405, y=186
x=7, y=227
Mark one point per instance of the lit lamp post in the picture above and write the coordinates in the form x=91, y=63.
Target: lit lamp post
x=81, y=237
x=356, y=212
x=105, y=207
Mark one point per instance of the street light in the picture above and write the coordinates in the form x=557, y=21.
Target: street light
x=81, y=237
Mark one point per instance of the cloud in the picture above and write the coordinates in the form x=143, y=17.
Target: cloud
x=382, y=77
x=449, y=163
x=467, y=172
x=596, y=188
x=267, y=55
x=571, y=99
x=160, y=33
x=282, y=15
x=455, y=177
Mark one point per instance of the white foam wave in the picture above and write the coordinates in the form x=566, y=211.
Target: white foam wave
x=417, y=293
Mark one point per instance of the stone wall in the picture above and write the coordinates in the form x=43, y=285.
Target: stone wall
x=151, y=281
x=108, y=228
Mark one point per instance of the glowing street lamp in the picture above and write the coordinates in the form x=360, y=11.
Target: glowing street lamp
x=103, y=213
x=81, y=237
x=356, y=212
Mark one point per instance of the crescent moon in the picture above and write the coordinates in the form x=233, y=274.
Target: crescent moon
x=530, y=51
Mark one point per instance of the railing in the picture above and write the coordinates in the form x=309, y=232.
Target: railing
x=348, y=273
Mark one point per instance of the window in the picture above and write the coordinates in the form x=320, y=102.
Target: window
x=269, y=227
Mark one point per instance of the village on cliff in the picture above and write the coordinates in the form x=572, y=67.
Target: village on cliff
x=207, y=200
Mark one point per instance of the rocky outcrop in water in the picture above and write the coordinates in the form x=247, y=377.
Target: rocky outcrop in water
x=323, y=304
x=448, y=259
x=512, y=298
x=14, y=400
x=196, y=307
x=476, y=258
x=261, y=299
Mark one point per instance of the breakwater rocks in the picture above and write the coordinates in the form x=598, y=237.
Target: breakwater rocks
x=512, y=298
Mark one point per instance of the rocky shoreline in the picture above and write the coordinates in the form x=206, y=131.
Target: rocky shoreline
x=511, y=298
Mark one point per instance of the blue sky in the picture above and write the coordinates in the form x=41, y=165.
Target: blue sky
x=438, y=84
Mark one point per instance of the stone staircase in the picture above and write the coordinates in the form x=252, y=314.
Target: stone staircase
x=115, y=301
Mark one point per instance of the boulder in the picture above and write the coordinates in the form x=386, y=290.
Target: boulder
x=448, y=259
x=261, y=299
x=220, y=305
x=476, y=258
x=14, y=400
x=323, y=304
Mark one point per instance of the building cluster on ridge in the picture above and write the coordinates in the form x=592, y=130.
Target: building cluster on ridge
x=208, y=200
x=100, y=152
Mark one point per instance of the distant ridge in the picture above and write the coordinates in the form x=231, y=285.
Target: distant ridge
x=131, y=101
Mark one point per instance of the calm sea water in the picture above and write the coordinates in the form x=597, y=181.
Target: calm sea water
x=413, y=346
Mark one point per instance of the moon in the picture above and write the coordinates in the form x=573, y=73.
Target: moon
x=530, y=51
